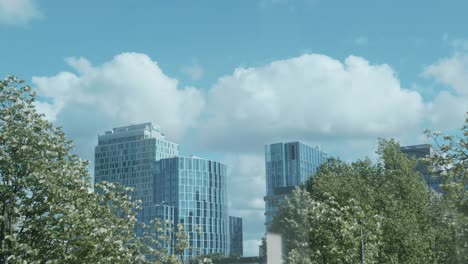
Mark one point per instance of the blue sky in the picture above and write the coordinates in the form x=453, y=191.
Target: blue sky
x=223, y=78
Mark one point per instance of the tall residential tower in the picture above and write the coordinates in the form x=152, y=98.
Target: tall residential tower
x=196, y=188
x=287, y=165
x=127, y=155
x=184, y=190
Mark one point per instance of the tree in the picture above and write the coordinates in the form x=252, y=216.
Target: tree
x=450, y=160
x=325, y=231
x=48, y=212
x=378, y=211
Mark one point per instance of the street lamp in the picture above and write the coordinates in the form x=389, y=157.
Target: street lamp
x=362, y=245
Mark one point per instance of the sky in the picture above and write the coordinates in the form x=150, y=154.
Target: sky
x=224, y=78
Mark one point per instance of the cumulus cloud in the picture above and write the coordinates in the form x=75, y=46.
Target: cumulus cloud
x=246, y=187
x=194, y=71
x=311, y=97
x=451, y=71
x=130, y=88
x=17, y=12
x=447, y=110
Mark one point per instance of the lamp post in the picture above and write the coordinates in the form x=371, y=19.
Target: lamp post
x=362, y=245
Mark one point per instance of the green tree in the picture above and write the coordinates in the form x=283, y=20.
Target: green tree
x=450, y=160
x=47, y=212
x=384, y=206
x=446, y=222
x=325, y=231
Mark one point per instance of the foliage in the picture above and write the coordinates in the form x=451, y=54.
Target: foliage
x=325, y=231
x=263, y=247
x=48, y=213
x=448, y=225
x=450, y=160
x=166, y=243
x=387, y=200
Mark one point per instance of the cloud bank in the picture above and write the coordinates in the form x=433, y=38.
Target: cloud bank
x=18, y=12
x=311, y=97
x=449, y=106
x=129, y=89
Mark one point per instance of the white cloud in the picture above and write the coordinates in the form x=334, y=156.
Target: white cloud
x=447, y=111
x=194, y=71
x=16, y=12
x=312, y=98
x=448, y=108
x=451, y=71
x=361, y=41
x=131, y=88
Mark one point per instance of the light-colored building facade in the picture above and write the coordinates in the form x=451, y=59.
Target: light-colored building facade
x=287, y=165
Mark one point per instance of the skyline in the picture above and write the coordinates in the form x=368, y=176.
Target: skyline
x=225, y=79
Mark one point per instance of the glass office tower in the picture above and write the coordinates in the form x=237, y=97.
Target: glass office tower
x=196, y=188
x=235, y=236
x=127, y=155
x=287, y=165
x=419, y=152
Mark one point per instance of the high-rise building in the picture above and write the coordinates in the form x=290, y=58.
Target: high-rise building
x=287, y=165
x=235, y=236
x=196, y=188
x=420, y=152
x=127, y=155
x=182, y=190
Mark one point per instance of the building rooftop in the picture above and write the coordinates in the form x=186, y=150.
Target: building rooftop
x=416, y=146
x=319, y=148
x=144, y=130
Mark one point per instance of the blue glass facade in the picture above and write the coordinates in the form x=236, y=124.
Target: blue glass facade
x=163, y=212
x=419, y=152
x=287, y=165
x=186, y=190
x=166, y=214
x=196, y=188
x=127, y=155
x=235, y=236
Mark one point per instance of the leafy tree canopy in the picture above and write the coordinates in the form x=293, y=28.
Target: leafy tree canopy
x=381, y=212
x=451, y=161
x=48, y=213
